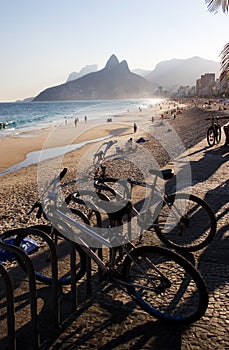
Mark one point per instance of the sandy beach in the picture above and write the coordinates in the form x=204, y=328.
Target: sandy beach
x=19, y=188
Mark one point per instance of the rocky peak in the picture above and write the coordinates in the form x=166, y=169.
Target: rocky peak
x=112, y=62
x=124, y=66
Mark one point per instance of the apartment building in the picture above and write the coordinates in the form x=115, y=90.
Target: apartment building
x=206, y=85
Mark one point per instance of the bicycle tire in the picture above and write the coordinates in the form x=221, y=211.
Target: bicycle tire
x=218, y=134
x=211, y=136
x=41, y=260
x=191, y=231
x=165, y=285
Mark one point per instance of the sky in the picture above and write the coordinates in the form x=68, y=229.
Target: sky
x=43, y=41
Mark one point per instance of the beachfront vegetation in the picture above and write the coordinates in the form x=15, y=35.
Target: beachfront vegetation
x=214, y=6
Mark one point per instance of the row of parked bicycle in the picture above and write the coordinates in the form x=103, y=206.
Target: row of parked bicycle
x=104, y=220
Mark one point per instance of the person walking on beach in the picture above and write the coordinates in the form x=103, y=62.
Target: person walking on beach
x=85, y=119
x=135, y=127
x=76, y=121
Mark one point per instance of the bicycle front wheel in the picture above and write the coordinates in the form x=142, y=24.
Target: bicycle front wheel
x=185, y=222
x=211, y=136
x=165, y=285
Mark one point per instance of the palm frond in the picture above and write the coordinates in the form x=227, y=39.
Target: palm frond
x=224, y=64
x=215, y=5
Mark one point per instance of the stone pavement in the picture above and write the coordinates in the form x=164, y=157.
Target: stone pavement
x=210, y=169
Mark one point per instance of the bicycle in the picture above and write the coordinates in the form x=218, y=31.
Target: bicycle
x=42, y=258
x=160, y=281
x=181, y=221
x=214, y=131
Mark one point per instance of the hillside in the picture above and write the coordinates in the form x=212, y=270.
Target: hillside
x=178, y=72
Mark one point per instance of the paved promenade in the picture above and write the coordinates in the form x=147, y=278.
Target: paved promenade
x=210, y=170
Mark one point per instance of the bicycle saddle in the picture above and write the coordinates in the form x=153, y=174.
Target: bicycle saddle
x=163, y=174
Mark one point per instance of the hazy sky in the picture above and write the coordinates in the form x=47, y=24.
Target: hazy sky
x=43, y=41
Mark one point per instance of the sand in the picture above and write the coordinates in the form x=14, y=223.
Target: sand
x=19, y=188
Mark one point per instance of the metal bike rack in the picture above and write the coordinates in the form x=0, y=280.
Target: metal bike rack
x=32, y=288
x=73, y=276
x=21, y=255
x=25, y=232
x=10, y=307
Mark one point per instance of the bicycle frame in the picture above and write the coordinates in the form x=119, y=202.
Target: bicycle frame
x=153, y=190
x=60, y=216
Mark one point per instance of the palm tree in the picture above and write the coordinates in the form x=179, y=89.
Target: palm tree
x=224, y=62
x=214, y=6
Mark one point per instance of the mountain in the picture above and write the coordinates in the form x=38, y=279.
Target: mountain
x=114, y=81
x=85, y=70
x=178, y=72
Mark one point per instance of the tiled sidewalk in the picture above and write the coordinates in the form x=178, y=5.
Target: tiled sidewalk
x=210, y=170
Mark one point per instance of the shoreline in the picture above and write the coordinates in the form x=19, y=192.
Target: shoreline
x=14, y=149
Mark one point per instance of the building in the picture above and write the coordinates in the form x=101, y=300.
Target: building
x=206, y=85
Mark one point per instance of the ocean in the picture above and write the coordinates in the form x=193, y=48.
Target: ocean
x=21, y=117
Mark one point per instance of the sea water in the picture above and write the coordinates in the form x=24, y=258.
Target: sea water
x=19, y=117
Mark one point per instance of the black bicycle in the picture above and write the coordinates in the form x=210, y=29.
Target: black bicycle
x=214, y=132
x=182, y=221
x=160, y=281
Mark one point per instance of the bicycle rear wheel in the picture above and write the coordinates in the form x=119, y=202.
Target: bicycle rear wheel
x=185, y=222
x=211, y=136
x=165, y=284
x=218, y=134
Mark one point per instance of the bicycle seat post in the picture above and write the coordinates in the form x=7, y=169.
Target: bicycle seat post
x=152, y=191
x=103, y=168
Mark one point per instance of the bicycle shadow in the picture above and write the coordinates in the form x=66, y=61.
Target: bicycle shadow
x=217, y=251
x=196, y=170
x=122, y=325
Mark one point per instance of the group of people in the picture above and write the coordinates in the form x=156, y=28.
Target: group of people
x=76, y=120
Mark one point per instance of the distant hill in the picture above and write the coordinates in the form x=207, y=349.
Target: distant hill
x=85, y=70
x=141, y=72
x=114, y=81
x=28, y=99
x=178, y=72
